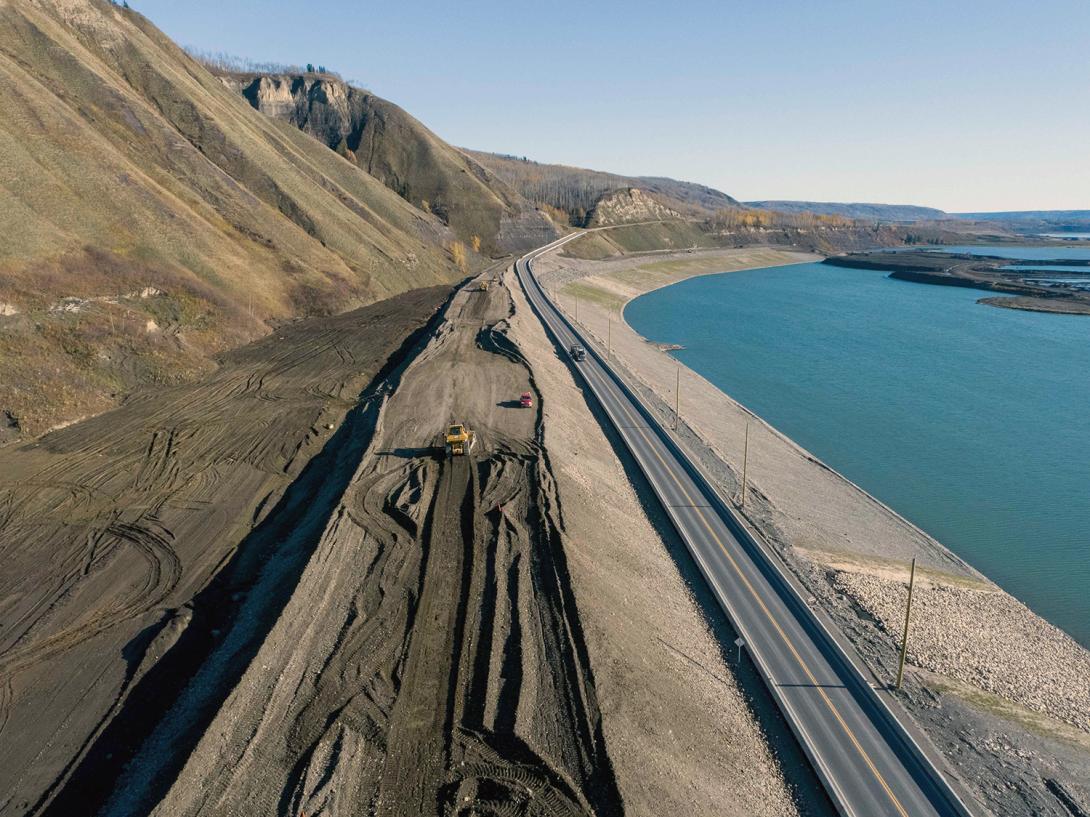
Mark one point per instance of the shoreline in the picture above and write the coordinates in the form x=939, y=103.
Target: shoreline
x=987, y=273
x=663, y=285
x=654, y=348
x=851, y=551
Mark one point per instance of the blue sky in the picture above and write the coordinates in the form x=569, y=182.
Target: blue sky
x=958, y=105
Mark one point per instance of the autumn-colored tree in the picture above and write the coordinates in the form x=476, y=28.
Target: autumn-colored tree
x=458, y=254
x=475, y=242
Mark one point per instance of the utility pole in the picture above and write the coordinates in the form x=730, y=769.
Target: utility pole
x=745, y=465
x=609, y=337
x=677, y=400
x=908, y=612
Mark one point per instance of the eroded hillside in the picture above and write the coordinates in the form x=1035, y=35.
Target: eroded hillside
x=151, y=218
x=395, y=148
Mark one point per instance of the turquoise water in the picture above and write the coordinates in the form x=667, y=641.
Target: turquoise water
x=971, y=421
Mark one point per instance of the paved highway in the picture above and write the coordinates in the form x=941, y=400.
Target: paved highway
x=869, y=764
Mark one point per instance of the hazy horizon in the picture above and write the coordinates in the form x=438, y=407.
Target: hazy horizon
x=935, y=106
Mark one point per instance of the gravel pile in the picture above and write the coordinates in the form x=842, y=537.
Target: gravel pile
x=985, y=638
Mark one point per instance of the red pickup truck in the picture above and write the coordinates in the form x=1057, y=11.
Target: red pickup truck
x=526, y=400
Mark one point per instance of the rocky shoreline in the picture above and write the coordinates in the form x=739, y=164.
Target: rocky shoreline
x=1031, y=291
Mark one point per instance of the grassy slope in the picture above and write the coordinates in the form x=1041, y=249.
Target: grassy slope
x=663, y=235
x=125, y=165
x=401, y=152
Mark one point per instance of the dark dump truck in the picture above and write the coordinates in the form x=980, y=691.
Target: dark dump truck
x=577, y=352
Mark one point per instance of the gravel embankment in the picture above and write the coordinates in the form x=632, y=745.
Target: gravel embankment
x=1018, y=656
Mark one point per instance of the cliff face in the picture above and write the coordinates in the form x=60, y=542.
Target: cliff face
x=392, y=146
x=626, y=207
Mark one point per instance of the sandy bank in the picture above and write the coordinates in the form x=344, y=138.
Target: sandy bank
x=973, y=686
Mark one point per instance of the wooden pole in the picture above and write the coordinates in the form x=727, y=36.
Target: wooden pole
x=908, y=612
x=609, y=337
x=677, y=400
x=745, y=465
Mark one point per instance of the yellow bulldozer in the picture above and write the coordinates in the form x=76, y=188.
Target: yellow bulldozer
x=459, y=441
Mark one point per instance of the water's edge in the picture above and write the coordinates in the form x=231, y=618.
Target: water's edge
x=696, y=370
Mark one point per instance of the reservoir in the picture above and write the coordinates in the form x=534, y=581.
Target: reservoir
x=971, y=421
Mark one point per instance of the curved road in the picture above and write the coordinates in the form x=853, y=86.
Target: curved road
x=869, y=763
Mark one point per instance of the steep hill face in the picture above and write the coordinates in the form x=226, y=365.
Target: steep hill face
x=574, y=192
x=151, y=218
x=395, y=148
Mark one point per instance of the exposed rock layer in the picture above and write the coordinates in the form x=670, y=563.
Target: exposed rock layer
x=395, y=148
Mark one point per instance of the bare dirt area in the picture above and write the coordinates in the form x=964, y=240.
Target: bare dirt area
x=430, y=659
x=129, y=539
x=1017, y=738
x=402, y=634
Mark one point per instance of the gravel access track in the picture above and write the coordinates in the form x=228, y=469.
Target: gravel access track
x=430, y=659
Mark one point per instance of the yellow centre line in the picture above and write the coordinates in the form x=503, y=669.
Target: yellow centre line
x=768, y=614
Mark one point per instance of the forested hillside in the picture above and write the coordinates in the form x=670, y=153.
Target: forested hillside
x=571, y=193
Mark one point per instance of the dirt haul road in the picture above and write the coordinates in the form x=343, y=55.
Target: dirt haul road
x=430, y=659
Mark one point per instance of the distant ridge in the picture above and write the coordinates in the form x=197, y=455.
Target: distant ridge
x=1007, y=215
x=573, y=193
x=1019, y=220
x=860, y=210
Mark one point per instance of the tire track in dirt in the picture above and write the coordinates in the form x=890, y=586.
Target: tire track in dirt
x=163, y=570
x=111, y=530
x=417, y=752
x=430, y=660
